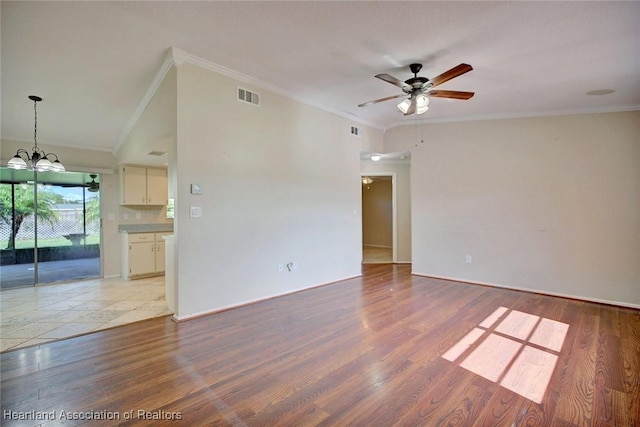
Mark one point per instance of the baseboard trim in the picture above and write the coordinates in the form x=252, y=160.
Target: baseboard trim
x=110, y=276
x=255, y=301
x=533, y=291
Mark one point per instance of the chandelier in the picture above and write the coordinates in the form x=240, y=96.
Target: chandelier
x=38, y=160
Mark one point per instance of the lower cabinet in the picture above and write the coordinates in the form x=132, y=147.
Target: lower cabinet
x=143, y=255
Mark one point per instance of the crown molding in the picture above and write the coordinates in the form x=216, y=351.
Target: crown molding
x=521, y=115
x=57, y=144
x=182, y=56
x=176, y=57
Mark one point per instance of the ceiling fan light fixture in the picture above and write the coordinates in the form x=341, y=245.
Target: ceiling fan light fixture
x=422, y=100
x=93, y=186
x=419, y=87
x=422, y=104
x=404, y=105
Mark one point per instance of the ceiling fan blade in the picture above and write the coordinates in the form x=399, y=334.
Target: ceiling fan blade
x=382, y=100
x=455, y=94
x=390, y=79
x=452, y=73
x=412, y=107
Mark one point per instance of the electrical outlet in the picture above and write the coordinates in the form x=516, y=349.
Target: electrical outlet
x=469, y=259
x=138, y=215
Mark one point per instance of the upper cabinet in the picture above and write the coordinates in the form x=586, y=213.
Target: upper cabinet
x=140, y=185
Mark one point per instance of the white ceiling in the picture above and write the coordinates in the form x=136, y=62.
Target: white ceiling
x=93, y=62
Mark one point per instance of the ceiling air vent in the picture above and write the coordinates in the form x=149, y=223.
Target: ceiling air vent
x=355, y=131
x=248, y=96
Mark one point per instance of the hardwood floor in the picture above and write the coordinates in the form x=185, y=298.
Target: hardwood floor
x=366, y=351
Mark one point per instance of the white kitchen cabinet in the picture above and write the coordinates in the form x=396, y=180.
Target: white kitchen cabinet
x=157, y=187
x=143, y=255
x=160, y=256
x=140, y=185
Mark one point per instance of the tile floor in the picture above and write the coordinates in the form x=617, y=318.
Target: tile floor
x=35, y=315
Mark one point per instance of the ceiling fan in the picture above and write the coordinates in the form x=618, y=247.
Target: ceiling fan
x=93, y=186
x=419, y=89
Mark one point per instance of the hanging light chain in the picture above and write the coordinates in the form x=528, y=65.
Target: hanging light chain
x=35, y=123
x=38, y=159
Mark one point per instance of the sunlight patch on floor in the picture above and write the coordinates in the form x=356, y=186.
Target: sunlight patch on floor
x=462, y=345
x=520, y=353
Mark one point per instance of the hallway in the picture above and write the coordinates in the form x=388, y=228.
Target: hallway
x=376, y=255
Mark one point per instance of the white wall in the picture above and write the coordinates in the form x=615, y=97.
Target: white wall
x=109, y=204
x=402, y=171
x=280, y=184
x=548, y=204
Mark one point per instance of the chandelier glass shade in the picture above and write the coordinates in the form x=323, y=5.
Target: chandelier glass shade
x=38, y=159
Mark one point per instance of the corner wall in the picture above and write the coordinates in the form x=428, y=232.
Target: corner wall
x=546, y=204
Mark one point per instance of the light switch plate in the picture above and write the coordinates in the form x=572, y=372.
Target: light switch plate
x=196, y=189
x=195, y=211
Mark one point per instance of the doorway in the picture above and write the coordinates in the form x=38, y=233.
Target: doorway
x=379, y=231
x=50, y=227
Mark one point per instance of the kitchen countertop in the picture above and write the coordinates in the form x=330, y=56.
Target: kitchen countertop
x=145, y=228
